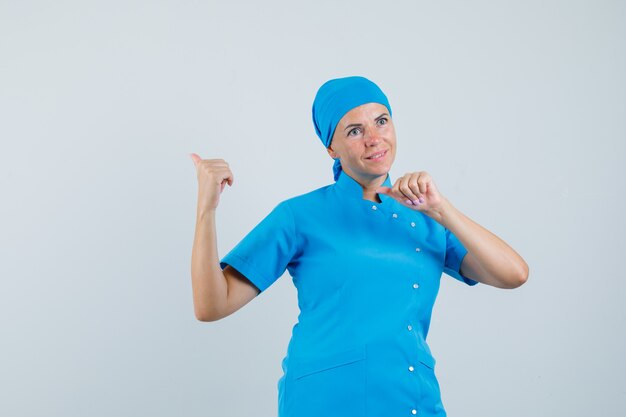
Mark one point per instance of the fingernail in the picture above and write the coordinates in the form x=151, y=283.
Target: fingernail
x=421, y=200
x=416, y=202
x=409, y=202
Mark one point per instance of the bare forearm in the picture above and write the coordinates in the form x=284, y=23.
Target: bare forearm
x=499, y=264
x=209, y=284
x=489, y=259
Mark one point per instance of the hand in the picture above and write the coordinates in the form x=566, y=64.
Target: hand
x=213, y=175
x=417, y=191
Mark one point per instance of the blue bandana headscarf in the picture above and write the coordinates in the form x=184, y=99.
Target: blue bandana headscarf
x=337, y=97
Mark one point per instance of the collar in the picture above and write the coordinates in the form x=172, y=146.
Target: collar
x=351, y=188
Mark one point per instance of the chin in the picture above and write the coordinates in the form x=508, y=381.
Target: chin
x=379, y=173
x=383, y=171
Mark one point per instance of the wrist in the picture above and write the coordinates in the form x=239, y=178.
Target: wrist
x=442, y=212
x=206, y=212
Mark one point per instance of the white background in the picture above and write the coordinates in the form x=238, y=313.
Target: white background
x=517, y=110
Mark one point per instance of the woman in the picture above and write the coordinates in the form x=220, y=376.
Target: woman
x=366, y=258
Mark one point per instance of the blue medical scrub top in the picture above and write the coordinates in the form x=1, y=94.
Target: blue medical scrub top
x=367, y=275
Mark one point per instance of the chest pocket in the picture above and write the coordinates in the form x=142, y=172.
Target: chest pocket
x=330, y=385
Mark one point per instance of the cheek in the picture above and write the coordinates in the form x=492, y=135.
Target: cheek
x=393, y=153
x=354, y=149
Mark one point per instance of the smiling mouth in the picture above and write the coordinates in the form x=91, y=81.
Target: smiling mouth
x=378, y=155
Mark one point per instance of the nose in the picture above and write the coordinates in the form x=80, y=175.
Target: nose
x=372, y=137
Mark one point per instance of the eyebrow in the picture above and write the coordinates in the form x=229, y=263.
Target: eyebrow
x=359, y=124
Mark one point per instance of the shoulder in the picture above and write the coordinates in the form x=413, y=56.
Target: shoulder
x=308, y=199
x=306, y=208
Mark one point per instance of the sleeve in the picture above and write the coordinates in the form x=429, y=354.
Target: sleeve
x=264, y=253
x=455, y=251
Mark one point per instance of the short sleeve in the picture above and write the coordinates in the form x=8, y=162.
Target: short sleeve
x=264, y=253
x=455, y=251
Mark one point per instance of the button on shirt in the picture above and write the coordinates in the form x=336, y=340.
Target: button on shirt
x=367, y=275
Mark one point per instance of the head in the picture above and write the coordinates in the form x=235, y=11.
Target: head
x=358, y=103
x=365, y=143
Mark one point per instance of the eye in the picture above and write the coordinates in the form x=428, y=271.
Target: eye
x=356, y=129
x=383, y=120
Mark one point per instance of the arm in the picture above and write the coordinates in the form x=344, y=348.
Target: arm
x=489, y=259
x=216, y=293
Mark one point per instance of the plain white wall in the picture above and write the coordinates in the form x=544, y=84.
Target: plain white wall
x=517, y=109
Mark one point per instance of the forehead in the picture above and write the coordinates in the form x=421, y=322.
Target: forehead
x=368, y=111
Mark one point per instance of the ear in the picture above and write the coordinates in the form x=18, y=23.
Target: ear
x=332, y=153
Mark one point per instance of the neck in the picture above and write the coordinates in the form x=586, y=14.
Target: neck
x=371, y=196
x=370, y=185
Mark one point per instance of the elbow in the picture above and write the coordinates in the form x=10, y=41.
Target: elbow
x=519, y=278
x=206, y=315
x=518, y=281
x=206, y=318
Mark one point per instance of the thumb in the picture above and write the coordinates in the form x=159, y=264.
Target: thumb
x=383, y=190
x=195, y=158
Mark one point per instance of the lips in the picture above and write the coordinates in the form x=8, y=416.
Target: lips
x=377, y=156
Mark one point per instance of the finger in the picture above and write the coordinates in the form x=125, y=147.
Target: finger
x=414, y=185
x=395, y=191
x=214, y=163
x=215, y=174
x=209, y=165
x=195, y=158
x=406, y=186
x=225, y=176
x=222, y=173
x=398, y=195
x=383, y=190
x=228, y=178
x=218, y=161
x=423, y=181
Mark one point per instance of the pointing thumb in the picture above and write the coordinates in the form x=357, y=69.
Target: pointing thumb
x=383, y=190
x=195, y=158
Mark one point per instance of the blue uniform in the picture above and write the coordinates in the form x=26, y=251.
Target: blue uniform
x=367, y=276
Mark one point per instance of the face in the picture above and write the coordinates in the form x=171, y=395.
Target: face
x=365, y=141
